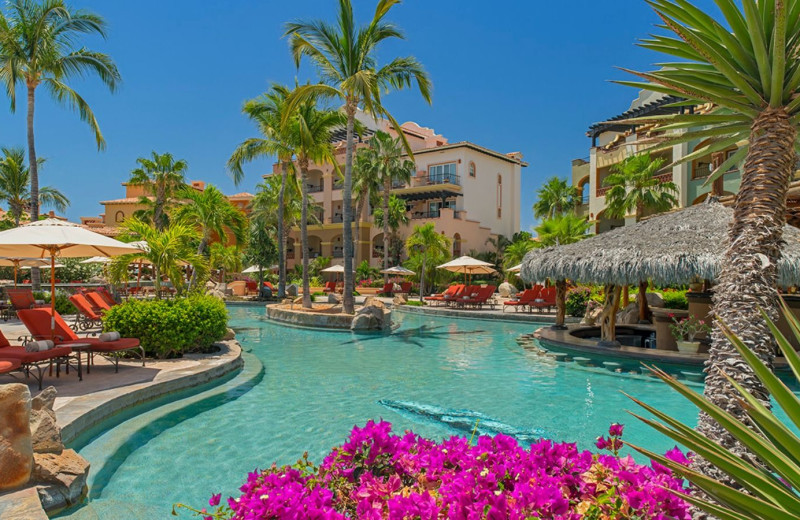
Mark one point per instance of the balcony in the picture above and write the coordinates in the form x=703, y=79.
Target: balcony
x=338, y=218
x=315, y=188
x=338, y=252
x=338, y=185
x=601, y=192
x=420, y=215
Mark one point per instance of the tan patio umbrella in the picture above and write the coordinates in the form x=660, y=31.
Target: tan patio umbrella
x=517, y=268
x=96, y=260
x=335, y=269
x=52, y=237
x=398, y=271
x=468, y=266
x=16, y=263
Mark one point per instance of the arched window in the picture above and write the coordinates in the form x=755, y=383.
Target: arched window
x=472, y=169
x=119, y=216
x=499, y=196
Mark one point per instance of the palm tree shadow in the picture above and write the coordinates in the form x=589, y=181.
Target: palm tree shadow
x=417, y=335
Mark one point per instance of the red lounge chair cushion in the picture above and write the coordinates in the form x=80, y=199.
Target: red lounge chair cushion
x=9, y=365
x=109, y=346
x=32, y=357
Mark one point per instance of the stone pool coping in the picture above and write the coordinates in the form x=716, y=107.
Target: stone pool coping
x=491, y=315
x=84, y=412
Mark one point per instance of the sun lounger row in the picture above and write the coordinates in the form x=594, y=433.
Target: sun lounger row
x=538, y=298
x=464, y=296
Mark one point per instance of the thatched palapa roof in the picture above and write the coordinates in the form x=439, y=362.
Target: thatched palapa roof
x=670, y=248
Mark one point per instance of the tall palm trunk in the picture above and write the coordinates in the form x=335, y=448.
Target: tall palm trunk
x=422, y=279
x=36, y=280
x=348, y=301
x=747, y=281
x=200, y=250
x=282, y=235
x=158, y=210
x=387, y=185
x=357, y=232
x=304, y=234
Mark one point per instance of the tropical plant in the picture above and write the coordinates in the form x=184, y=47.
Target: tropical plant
x=277, y=205
x=261, y=250
x=345, y=55
x=364, y=271
x=40, y=48
x=499, y=244
x=577, y=301
x=384, y=159
x=311, y=130
x=554, y=198
x=267, y=111
x=15, y=186
x=758, y=487
x=163, y=177
x=167, y=251
x=398, y=216
x=635, y=188
x=213, y=215
x=225, y=259
x=745, y=67
x=515, y=252
x=318, y=264
x=425, y=243
x=366, y=188
x=562, y=230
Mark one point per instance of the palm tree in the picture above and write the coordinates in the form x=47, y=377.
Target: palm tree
x=39, y=47
x=634, y=188
x=746, y=67
x=261, y=250
x=398, y=216
x=554, y=198
x=266, y=111
x=515, y=252
x=225, y=258
x=164, y=177
x=345, y=55
x=168, y=251
x=384, y=158
x=427, y=243
x=265, y=210
x=15, y=186
x=313, y=130
x=366, y=187
x=211, y=213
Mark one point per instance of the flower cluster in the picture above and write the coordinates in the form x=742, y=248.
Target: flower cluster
x=377, y=474
x=687, y=328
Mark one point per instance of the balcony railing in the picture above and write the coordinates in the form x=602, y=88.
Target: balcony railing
x=315, y=188
x=418, y=215
x=601, y=192
x=444, y=178
x=337, y=219
x=338, y=253
x=664, y=177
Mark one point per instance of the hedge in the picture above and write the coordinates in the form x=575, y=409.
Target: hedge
x=169, y=328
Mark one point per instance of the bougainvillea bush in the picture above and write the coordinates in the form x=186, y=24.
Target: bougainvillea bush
x=377, y=474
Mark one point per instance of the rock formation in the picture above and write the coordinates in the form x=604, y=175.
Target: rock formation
x=507, y=290
x=16, y=445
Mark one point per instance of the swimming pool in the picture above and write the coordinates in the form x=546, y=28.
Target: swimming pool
x=316, y=385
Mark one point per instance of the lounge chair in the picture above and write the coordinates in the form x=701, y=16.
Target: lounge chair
x=329, y=287
x=106, y=296
x=480, y=299
x=525, y=299
x=37, y=321
x=388, y=289
x=22, y=298
x=97, y=301
x=450, y=292
x=251, y=287
x=405, y=287
x=35, y=360
x=88, y=316
x=546, y=299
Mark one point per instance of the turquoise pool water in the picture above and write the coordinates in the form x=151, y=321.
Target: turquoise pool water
x=317, y=385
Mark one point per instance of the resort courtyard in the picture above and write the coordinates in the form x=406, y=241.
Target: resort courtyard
x=306, y=302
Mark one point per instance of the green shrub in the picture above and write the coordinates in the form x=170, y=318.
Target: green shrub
x=415, y=303
x=576, y=301
x=63, y=305
x=675, y=300
x=169, y=328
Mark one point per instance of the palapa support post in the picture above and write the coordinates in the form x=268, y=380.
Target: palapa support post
x=644, y=309
x=626, y=296
x=561, y=305
x=608, y=320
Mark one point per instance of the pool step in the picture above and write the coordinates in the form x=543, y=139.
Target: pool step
x=612, y=366
x=558, y=356
x=582, y=361
x=697, y=377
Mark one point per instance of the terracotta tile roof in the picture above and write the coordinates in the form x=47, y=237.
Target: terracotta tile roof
x=108, y=231
x=126, y=200
x=242, y=195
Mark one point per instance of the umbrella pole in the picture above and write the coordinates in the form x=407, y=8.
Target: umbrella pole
x=53, y=294
x=139, y=276
x=16, y=265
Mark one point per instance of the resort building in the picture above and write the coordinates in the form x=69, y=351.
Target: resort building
x=117, y=210
x=469, y=192
x=612, y=142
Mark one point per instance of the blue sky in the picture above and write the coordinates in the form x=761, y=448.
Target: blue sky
x=527, y=76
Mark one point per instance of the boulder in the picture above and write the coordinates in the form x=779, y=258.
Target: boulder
x=61, y=478
x=629, y=315
x=334, y=298
x=22, y=505
x=507, y=290
x=653, y=299
x=16, y=445
x=45, y=433
x=371, y=301
x=292, y=290
x=298, y=300
x=229, y=335
x=593, y=312
x=400, y=299
x=370, y=318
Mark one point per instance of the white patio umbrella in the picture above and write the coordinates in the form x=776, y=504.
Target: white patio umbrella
x=468, y=266
x=96, y=260
x=45, y=266
x=52, y=237
x=517, y=268
x=16, y=263
x=255, y=269
x=398, y=270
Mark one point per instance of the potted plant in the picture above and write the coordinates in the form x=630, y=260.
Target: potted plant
x=684, y=330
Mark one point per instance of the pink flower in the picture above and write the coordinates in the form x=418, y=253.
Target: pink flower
x=615, y=430
x=601, y=443
x=215, y=499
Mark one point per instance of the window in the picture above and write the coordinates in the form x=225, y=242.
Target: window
x=441, y=173
x=434, y=207
x=472, y=169
x=499, y=196
x=119, y=216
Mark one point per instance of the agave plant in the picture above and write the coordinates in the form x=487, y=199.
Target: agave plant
x=765, y=488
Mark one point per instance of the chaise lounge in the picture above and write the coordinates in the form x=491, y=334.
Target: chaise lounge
x=88, y=317
x=451, y=292
x=525, y=299
x=34, y=360
x=37, y=321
